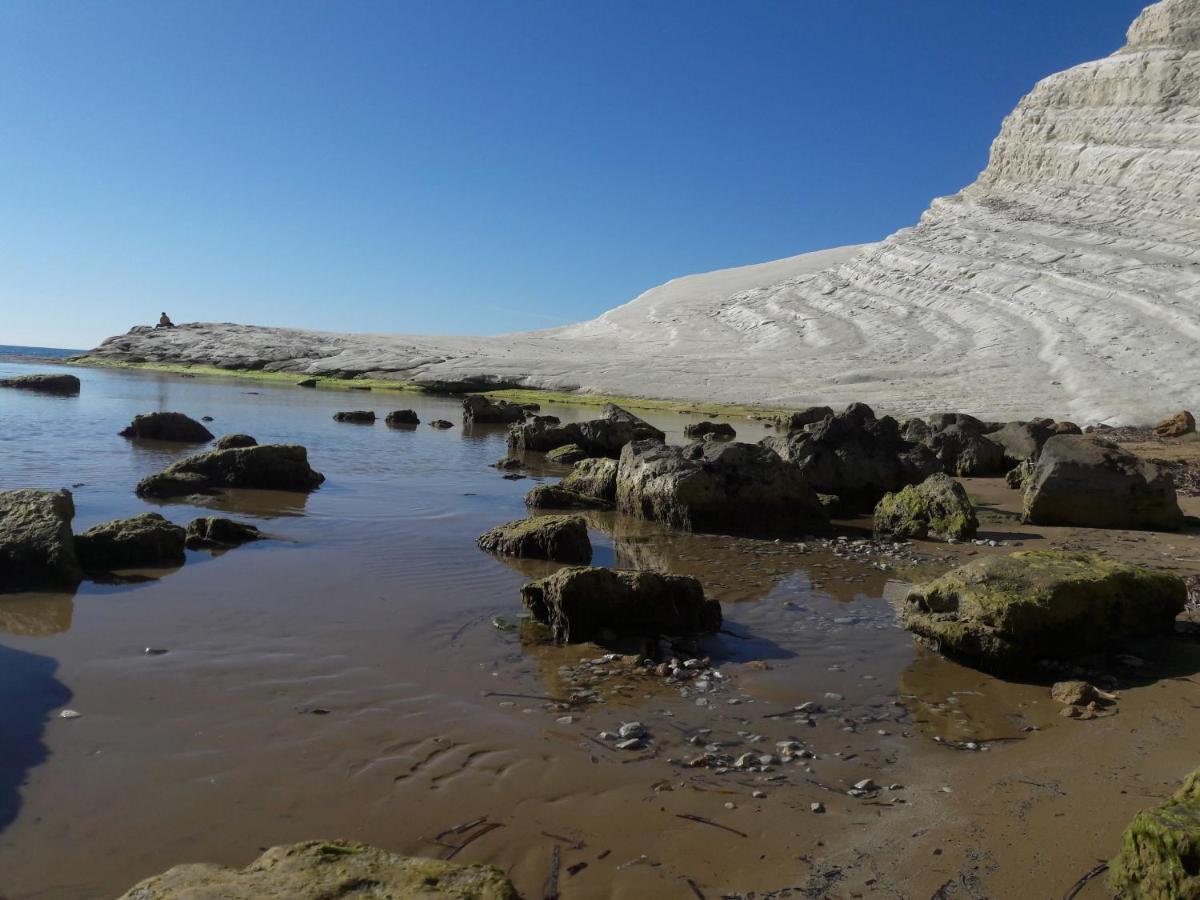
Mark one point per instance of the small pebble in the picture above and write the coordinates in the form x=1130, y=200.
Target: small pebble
x=69, y=714
x=817, y=807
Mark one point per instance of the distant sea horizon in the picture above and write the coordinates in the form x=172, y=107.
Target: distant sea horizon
x=37, y=352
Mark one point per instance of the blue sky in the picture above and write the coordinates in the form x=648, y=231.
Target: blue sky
x=477, y=167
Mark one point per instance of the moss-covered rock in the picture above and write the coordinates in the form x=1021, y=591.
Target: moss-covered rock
x=1033, y=604
x=558, y=538
x=1160, y=850
x=596, y=477
x=318, y=870
x=270, y=467
x=1018, y=478
x=144, y=540
x=567, y=454
x=216, y=533
x=937, y=507
x=553, y=496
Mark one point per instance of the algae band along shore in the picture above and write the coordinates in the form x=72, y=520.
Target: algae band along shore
x=868, y=572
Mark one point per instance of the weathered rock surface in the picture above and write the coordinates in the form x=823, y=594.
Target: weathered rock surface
x=402, y=418
x=1022, y=440
x=937, y=507
x=230, y=441
x=555, y=496
x=36, y=546
x=323, y=870
x=63, y=385
x=1183, y=422
x=215, y=533
x=593, y=478
x=480, y=410
x=1034, y=604
x=802, y=418
x=720, y=431
x=567, y=454
x=355, y=416
x=143, y=540
x=726, y=488
x=558, y=538
x=1159, y=850
x=598, y=437
x=167, y=426
x=960, y=445
x=275, y=467
x=1087, y=481
x=583, y=603
x=855, y=455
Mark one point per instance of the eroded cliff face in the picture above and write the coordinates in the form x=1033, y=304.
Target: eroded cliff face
x=1065, y=281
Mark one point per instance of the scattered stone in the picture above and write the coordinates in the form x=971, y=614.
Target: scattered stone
x=144, y=540
x=69, y=714
x=36, y=546
x=937, y=507
x=558, y=538
x=62, y=385
x=759, y=795
x=507, y=463
x=567, y=454
x=278, y=467
x=1036, y=604
x=356, y=416
x=632, y=730
x=155, y=651
x=719, y=431
x=402, y=418
x=215, y=533
x=629, y=744
x=816, y=807
x=230, y=441
x=167, y=426
x=578, y=603
x=598, y=437
x=480, y=410
x=1079, y=693
x=554, y=496
x=441, y=424
x=1183, y=422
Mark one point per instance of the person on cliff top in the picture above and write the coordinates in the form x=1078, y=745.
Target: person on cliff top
x=164, y=321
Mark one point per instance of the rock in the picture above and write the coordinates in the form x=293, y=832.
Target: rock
x=967, y=453
x=558, y=538
x=167, y=426
x=968, y=424
x=63, y=385
x=554, y=496
x=717, y=431
x=642, y=430
x=1177, y=426
x=356, y=416
x=1157, y=859
x=798, y=420
x=856, y=456
x=1034, y=604
x=595, y=477
x=598, y=437
x=229, y=441
x=1079, y=693
x=1065, y=428
x=937, y=507
x=726, y=488
x=1086, y=481
x=567, y=454
x=214, y=533
x=441, y=423
x=1018, y=479
x=1021, y=440
x=632, y=730
x=480, y=410
x=580, y=603
x=36, y=546
x=273, y=467
x=320, y=870
x=307, y=383
x=816, y=807
x=401, y=418
x=144, y=540
x=507, y=463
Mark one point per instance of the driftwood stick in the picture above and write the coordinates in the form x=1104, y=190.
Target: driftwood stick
x=1082, y=882
x=551, y=891
x=459, y=829
x=486, y=829
x=703, y=821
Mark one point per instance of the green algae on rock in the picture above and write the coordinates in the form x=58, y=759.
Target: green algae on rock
x=937, y=507
x=271, y=467
x=1159, y=857
x=558, y=538
x=316, y=870
x=1041, y=603
x=553, y=496
x=594, y=477
x=567, y=454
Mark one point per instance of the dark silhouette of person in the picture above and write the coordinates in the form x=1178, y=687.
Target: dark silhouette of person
x=164, y=321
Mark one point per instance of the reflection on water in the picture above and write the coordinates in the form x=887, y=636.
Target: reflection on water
x=34, y=615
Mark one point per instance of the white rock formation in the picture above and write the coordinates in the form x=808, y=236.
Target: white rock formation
x=1065, y=281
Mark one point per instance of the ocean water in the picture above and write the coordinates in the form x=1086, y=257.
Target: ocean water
x=12, y=350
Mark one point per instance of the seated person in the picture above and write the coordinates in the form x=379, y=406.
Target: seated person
x=164, y=321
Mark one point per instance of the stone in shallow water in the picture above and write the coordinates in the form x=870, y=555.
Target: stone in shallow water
x=554, y=496
x=402, y=417
x=272, y=467
x=145, y=540
x=36, y=546
x=167, y=426
x=318, y=870
x=64, y=385
x=215, y=533
x=558, y=538
x=229, y=441
x=355, y=416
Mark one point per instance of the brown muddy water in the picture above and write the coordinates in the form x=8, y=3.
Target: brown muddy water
x=358, y=676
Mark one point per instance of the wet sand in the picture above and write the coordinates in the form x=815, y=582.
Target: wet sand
x=349, y=680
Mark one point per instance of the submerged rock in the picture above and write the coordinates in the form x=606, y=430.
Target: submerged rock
x=229, y=441
x=1183, y=422
x=582, y=603
x=356, y=416
x=36, y=546
x=595, y=477
x=480, y=410
x=63, y=385
x=1041, y=603
x=215, y=533
x=937, y=507
x=273, y=467
x=718, y=431
x=726, y=488
x=557, y=538
x=555, y=496
x=167, y=426
x=320, y=870
x=1160, y=849
x=401, y=418
x=441, y=424
x=567, y=454
x=144, y=540
x=307, y=383
x=1086, y=481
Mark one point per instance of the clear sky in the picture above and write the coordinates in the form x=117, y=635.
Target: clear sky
x=477, y=167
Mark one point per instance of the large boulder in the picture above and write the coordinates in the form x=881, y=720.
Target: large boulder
x=937, y=507
x=480, y=410
x=1183, y=422
x=167, y=426
x=1087, y=481
x=555, y=496
x=1160, y=849
x=229, y=441
x=963, y=450
x=1022, y=440
x=402, y=418
x=598, y=437
x=36, y=546
x=1032, y=604
x=63, y=385
x=595, y=477
x=215, y=533
x=856, y=456
x=717, y=431
x=144, y=540
x=558, y=538
x=583, y=603
x=273, y=467
x=726, y=488
x=320, y=870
